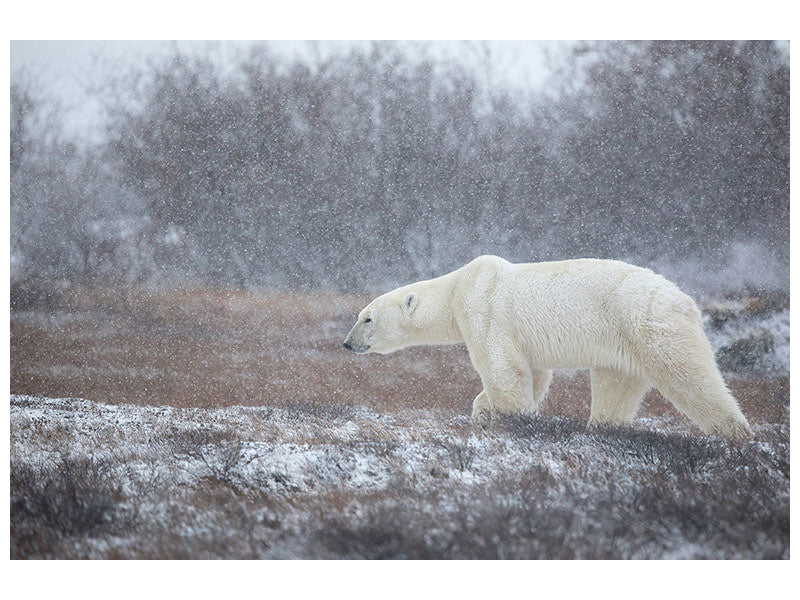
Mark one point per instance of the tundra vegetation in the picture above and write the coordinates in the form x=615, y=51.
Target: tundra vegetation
x=234, y=425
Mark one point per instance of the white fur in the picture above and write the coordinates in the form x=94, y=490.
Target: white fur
x=634, y=330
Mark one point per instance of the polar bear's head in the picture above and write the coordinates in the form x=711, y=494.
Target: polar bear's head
x=385, y=325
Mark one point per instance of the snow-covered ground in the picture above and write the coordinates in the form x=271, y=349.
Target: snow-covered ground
x=312, y=480
x=232, y=424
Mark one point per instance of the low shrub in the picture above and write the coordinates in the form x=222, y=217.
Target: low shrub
x=72, y=497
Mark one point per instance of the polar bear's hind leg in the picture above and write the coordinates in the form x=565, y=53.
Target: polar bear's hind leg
x=682, y=366
x=616, y=397
x=708, y=403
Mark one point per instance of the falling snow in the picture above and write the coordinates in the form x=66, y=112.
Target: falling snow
x=182, y=280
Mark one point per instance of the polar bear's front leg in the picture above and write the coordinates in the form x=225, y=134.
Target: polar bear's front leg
x=482, y=408
x=541, y=383
x=508, y=386
x=508, y=382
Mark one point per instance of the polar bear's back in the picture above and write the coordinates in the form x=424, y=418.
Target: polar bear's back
x=584, y=291
x=586, y=312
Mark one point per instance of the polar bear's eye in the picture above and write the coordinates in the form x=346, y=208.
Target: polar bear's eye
x=368, y=320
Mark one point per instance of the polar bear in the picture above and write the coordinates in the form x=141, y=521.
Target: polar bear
x=633, y=329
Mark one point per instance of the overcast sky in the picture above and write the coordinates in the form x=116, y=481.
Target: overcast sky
x=67, y=70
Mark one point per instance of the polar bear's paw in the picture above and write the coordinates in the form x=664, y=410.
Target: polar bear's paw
x=481, y=412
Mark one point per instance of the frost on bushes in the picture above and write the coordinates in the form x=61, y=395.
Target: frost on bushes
x=70, y=497
x=750, y=335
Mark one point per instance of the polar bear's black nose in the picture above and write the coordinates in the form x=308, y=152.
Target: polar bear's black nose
x=348, y=345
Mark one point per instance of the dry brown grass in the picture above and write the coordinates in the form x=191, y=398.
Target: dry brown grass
x=220, y=347
x=209, y=348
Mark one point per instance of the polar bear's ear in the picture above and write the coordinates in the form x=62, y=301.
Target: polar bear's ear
x=410, y=303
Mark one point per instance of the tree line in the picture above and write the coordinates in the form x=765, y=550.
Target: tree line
x=376, y=166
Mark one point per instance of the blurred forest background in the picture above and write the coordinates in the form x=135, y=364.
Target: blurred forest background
x=375, y=166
